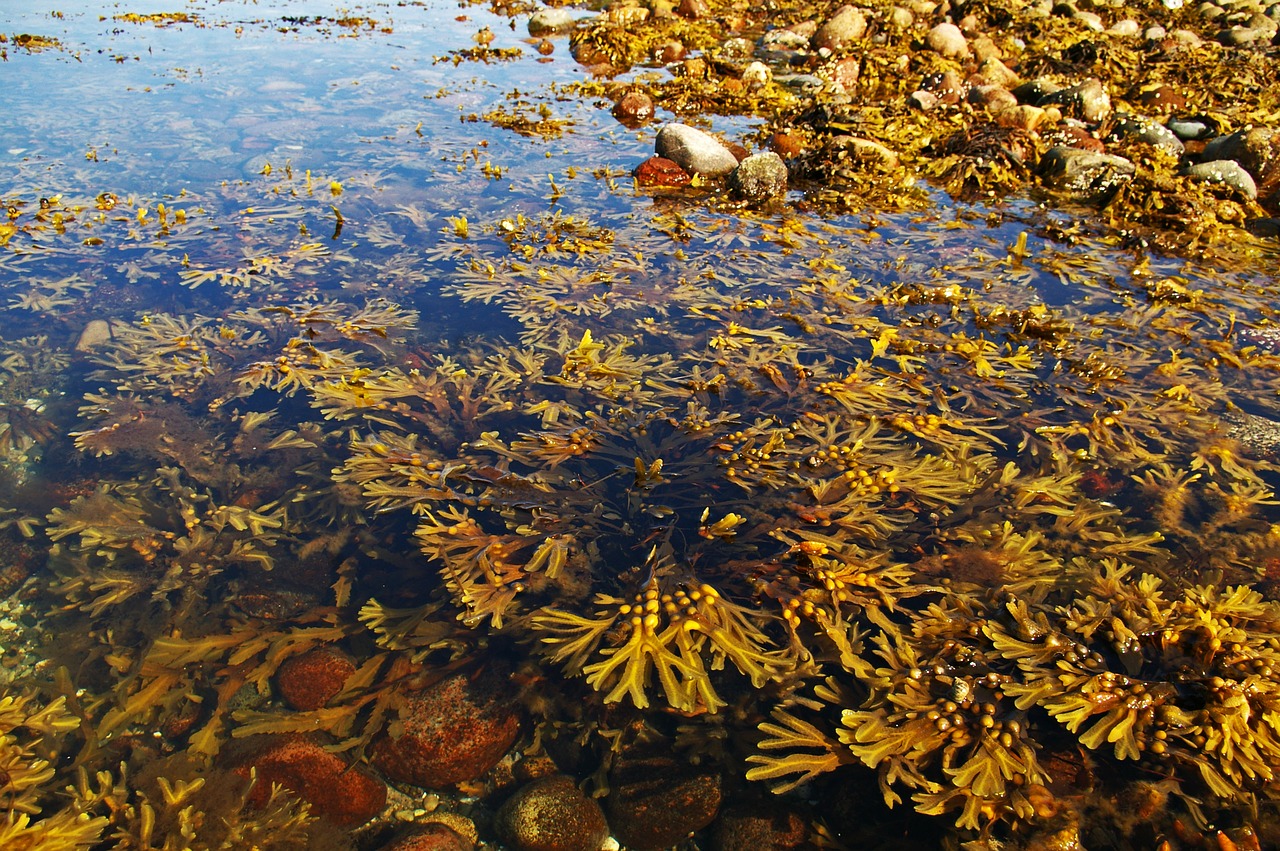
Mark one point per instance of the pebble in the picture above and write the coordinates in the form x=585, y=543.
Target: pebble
x=784, y=39
x=96, y=333
x=947, y=40
x=551, y=20
x=759, y=177
x=344, y=794
x=997, y=73
x=757, y=75
x=901, y=18
x=847, y=25
x=1227, y=173
x=694, y=151
x=1148, y=130
x=1024, y=117
x=633, y=109
x=1084, y=175
x=660, y=171
x=551, y=814
x=309, y=680
x=1087, y=100
x=659, y=802
x=1125, y=28
x=1188, y=128
x=994, y=98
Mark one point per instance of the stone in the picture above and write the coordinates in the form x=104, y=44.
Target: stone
x=984, y=47
x=1022, y=117
x=923, y=100
x=1092, y=20
x=762, y=824
x=995, y=98
x=846, y=26
x=947, y=40
x=759, y=177
x=430, y=837
x=948, y=86
x=693, y=9
x=694, y=151
x=1033, y=91
x=1255, y=148
x=1083, y=175
x=756, y=75
x=633, y=109
x=551, y=20
x=660, y=171
x=1147, y=130
x=1087, y=100
x=1161, y=98
x=96, y=333
x=308, y=681
x=659, y=802
x=551, y=814
x=1227, y=173
x=344, y=794
x=996, y=73
x=784, y=38
x=844, y=74
x=901, y=18
x=1072, y=134
x=449, y=732
x=865, y=153
x=1125, y=28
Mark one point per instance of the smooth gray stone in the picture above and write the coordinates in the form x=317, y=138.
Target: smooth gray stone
x=695, y=151
x=1225, y=172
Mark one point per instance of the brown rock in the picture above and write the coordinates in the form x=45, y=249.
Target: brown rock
x=864, y=153
x=1160, y=98
x=310, y=680
x=660, y=171
x=997, y=73
x=845, y=73
x=763, y=824
x=671, y=51
x=658, y=802
x=633, y=109
x=552, y=814
x=430, y=837
x=1075, y=136
x=344, y=794
x=946, y=40
x=692, y=9
x=846, y=26
x=1021, y=117
x=787, y=144
x=1087, y=100
x=449, y=732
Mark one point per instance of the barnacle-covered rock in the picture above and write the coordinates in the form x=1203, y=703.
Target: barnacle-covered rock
x=552, y=814
x=658, y=802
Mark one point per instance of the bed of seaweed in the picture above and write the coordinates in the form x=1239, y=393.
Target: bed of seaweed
x=966, y=508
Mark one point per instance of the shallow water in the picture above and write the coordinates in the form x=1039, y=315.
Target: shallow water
x=271, y=155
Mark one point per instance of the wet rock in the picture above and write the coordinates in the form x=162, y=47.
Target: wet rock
x=1021, y=117
x=784, y=38
x=660, y=171
x=923, y=100
x=996, y=73
x=1083, y=175
x=756, y=75
x=633, y=109
x=694, y=151
x=901, y=18
x=847, y=25
x=693, y=9
x=551, y=814
x=449, y=732
x=659, y=802
x=1161, y=99
x=96, y=333
x=1188, y=128
x=1033, y=91
x=994, y=98
x=948, y=86
x=671, y=51
x=1147, y=130
x=787, y=144
x=344, y=794
x=864, y=153
x=748, y=827
x=1227, y=173
x=1074, y=135
x=550, y=20
x=1254, y=148
x=759, y=177
x=947, y=40
x=430, y=837
x=310, y=680
x=844, y=74
x=1087, y=100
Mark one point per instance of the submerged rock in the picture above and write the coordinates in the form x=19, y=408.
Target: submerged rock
x=660, y=171
x=344, y=794
x=694, y=151
x=759, y=177
x=552, y=814
x=657, y=803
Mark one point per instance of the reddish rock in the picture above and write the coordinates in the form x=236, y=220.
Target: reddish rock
x=671, y=51
x=634, y=109
x=344, y=794
x=310, y=680
x=430, y=837
x=1075, y=137
x=660, y=171
x=692, y=9
x=449, y=732
x=764, y=824
x=657, y=803
x=787, y=144
x=845, y=73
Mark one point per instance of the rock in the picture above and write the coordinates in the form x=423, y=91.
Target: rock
x=1022, y=117
x=660, y=171
x=659, y=802
x=994, y=98
x=1083, y=175
x=1255, y=148
x=1188, y=128
x=759, y=177
x=1073, y=135
x=996, y=73
x=1092, y=20
x=901, y=18
x=1125, y=28
x=784, y=38
x=1160, y=98
x=96, y=333
x=756, y=75
x=671, y=51
x=847, y=25
x=923, y=100
x=551, y=814
x=984, y=48
x=430, y=837
x=695, y=151
x=947, y=40
x=1257, y=28
x=1033, y=91
x=1227, y=173
x=764, y=824
x=633, y=109
x=449, y=732
x=344, y=794
x=787, y=144
x=310, y=680
x=1186, y=38
x=693, y=9
x=1147, y=130
x=948, y=86
x=844, y=74
x=864, y=153
x=1087, y=100
x=551, y=20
